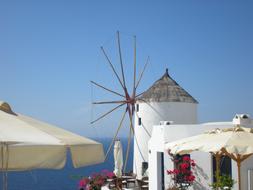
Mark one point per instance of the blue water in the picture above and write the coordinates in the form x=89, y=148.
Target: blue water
x=64, y=179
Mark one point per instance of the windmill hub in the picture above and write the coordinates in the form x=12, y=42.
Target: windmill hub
x=131, y=101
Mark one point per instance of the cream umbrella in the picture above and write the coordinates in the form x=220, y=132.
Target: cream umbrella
x=28, y=144
x=237, y=143
x=118, y=158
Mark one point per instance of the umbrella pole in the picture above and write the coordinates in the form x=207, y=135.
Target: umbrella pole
x=217, y=159
x=239, y=173
x=4, y=164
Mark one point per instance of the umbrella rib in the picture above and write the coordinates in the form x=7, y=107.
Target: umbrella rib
x=102, y=116
x=244, y=157
x=107, y=89
x=116, y=134
x=110, y=63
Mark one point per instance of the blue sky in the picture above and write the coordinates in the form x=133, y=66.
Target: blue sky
x=49, y=51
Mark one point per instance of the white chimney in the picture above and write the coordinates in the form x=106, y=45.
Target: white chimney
x=242, y=119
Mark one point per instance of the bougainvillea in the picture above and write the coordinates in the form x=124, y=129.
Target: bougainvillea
x=182, y=175
x=95, y=181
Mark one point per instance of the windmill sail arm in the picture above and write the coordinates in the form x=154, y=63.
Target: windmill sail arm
x=139, y=94
x=141, y=75
x=110, y=102
x=102, y=116
x=116, y=134
x=134, y=89
x=107, y=89
x=112, y=67
x=121, y=62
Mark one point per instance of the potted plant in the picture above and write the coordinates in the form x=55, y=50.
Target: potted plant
x=224, y=182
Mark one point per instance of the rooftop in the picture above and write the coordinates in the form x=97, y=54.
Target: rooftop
x=167, y=90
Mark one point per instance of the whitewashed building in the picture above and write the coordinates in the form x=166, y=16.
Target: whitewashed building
x=159, y=161
x=165, y=113
x=165, y=100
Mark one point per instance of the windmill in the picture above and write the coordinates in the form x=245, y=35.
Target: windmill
x=127, y=97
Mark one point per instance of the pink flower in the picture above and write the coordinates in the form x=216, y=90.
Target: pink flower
x=186, y=158
x=176, y=171
x=105, y=171
x=110, y=175
x=83, y=182
x=184, y=166
x=94, y=175
x=191, y=178
x=169, y=172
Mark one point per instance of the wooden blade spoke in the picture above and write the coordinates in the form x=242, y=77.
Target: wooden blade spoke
x=134, y=89
x=140, y=94
x=115, y=136
x=130, y=133
x=121, y=63
x=110, y=102
x=128, y=149
x=144, y=68
x=102, y=116
x=107, y=89
x=112, y=67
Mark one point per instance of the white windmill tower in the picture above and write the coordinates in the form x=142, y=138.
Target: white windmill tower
x=164, y=101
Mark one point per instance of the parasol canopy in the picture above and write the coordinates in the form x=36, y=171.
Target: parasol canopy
x=26, y=144
x=118, y=158
x=237, y=143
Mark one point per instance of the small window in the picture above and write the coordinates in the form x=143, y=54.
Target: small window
x=139, y=121
x=137, y=107
x=225, y=167
x=144, y=168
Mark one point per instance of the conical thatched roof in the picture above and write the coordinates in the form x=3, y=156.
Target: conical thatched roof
x=166, y=90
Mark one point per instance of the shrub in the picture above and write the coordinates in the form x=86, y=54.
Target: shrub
x=224, y=182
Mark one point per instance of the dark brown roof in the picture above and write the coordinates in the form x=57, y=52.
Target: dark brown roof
x=167, y=90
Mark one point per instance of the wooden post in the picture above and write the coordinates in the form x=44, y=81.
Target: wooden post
x=217, y=159
x=239, y=159
x=239, y=173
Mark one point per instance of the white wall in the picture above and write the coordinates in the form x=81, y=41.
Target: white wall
x=151, y=114
x=163, y=134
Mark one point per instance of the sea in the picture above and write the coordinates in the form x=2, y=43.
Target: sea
x=66, y=178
